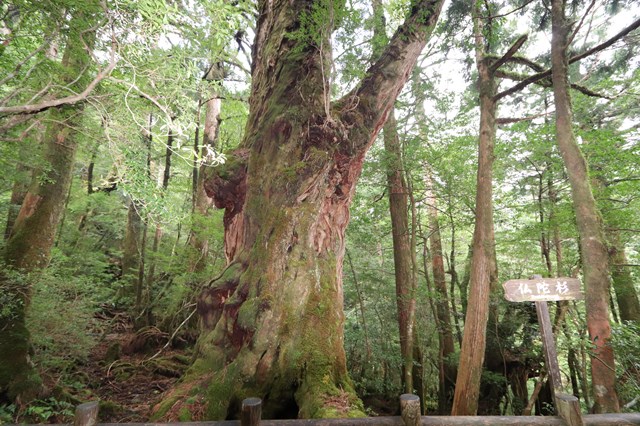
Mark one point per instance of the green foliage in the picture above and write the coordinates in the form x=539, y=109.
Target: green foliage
x=625, y=340
x=60, y=317
x=49, y=410
x=46, y=410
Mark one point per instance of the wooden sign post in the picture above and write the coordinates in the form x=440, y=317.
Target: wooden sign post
x=541, y=290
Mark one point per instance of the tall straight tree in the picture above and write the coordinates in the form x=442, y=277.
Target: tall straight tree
x=590, y=226
x=34, y=230
x=483, y=271
x=447, y=372
x=403, y=250
x=273, y=320
x=465, y=400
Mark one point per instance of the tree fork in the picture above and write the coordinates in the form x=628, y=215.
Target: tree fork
x=279, y=333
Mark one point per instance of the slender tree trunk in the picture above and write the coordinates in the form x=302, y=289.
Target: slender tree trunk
x=273, y=320
x=472, y=353
x=139, y=283
x=404, y=272
x=202, y=203
x=29, y=246
x=447, y=372
x=592, y=241
x=157, y=236
x=626, y=294
x=545, y=249
x=557, y=241
x=131, y=246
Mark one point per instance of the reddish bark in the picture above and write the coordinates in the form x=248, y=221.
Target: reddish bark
x=590, y=228
x=279, y=334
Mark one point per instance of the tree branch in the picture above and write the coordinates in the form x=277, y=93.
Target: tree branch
x=367, y=106
x=17, y=68
x=539, y=76
x=67, y=100
x=509, y=53
x=512, y=120
x=546, y=82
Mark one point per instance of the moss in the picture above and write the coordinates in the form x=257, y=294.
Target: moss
x=291, y=172
x=107, y=409
x=248, y=313
x=161, y=410
x=184, y=415
x=218, y=397
x=230, y=168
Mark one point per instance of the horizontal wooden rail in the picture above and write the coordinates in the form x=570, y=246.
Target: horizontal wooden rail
x=589, y=419
x=251, y=412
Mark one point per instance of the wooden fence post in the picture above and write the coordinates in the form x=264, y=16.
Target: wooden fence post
x=410, y=409
x=86, y=414
x=251, y=412
x=568, y=408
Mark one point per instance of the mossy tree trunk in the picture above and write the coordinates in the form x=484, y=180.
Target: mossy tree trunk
x=590, y=227
x=29, y=246
x=273, y=321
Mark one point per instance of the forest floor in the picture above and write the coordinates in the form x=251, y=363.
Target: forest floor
x=129, y=371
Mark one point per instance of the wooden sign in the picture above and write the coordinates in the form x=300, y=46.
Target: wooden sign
x=543, y=289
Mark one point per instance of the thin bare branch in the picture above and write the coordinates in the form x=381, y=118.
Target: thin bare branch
x=575, y=31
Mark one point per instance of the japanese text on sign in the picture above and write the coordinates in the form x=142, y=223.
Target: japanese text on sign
x=548, y=289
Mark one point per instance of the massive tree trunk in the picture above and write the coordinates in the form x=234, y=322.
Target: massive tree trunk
x=592, y=241
x=273, y=320
x=34, y=230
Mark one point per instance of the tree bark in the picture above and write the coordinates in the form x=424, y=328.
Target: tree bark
x=157, y=237
x=201, y=202
x=33, y=235
x=406, y=283
x=18, y=192
x=447, y=372
x=131, y=245
x=405, y=274
x=626, y=294
x=472, y=352
x=273, y=320
x=592, y=241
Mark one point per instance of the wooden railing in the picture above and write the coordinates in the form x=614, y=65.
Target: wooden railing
x=251, y=415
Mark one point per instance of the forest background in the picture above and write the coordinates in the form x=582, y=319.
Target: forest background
x=117, y=113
